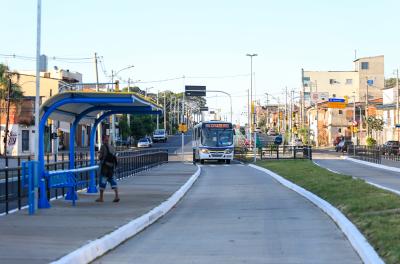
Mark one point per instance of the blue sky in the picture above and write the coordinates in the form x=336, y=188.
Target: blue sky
x=167, y=39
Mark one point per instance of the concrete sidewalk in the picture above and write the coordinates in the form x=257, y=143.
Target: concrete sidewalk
x=55, y=232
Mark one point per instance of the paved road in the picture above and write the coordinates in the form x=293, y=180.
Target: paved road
x=174, y=144
x=236, y=214
x=332, y=161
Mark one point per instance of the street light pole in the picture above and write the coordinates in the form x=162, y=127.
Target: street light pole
x=253, y=126
x=37, y=96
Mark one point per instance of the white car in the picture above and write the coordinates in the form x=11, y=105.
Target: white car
x=144, y=143
x=297, y=142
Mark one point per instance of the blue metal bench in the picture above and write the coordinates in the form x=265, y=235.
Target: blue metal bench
x=67, y=179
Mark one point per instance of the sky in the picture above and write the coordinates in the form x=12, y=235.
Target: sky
x=204, y=41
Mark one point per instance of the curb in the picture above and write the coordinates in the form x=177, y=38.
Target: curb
x=379, y=166
x=100, y=246
x=357, y=240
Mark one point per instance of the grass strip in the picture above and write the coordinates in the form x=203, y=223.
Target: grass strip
x=374, y=211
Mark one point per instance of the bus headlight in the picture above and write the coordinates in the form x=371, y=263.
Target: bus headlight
x=228, y=151
x=204, y=151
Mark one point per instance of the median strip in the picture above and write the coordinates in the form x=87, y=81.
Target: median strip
x=372, y=210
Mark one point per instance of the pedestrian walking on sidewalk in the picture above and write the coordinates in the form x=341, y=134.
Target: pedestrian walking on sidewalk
x=108, y=162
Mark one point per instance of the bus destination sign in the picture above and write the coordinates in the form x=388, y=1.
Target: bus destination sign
x=217, y=125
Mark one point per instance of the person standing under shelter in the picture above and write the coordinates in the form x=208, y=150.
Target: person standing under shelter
x=108, y=162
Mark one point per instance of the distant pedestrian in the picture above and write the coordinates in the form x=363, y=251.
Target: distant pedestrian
x=108, y=162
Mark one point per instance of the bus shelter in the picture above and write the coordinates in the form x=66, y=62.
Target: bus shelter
x=89, y=108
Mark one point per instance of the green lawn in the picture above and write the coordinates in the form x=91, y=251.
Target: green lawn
x=375, y=212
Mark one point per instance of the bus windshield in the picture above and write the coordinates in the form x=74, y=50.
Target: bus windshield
x=217, y=137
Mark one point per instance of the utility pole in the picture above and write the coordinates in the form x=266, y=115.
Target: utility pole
x=317, y=130
x=248, y=113
x=279, y=117
x=165, y=115
x=99, y=130
x=267, y=111
x=158, y=92
x=8, y=115
x=303, y=104
x=128, y=116
x=354, y=118
x=285, y=125
x=397, y=102
x=112, y=129
x=291, y=115
x=366, y=105
x=37, y=103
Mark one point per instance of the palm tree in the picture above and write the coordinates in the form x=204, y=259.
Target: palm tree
x=8, y=91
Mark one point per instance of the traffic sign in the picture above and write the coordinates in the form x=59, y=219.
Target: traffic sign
x=195, y=90
x=337, y=100
x=336, y=105
x=278, y=140
x=203, y=108
x=182, y=128
x=370, y=82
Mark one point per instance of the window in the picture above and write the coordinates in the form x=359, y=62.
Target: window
x=25, y=140
x=364, y=65
x=340, y=112
x=349, y=81
x=332, y=81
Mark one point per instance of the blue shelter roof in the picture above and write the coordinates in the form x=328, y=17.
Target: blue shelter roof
x=67, y=112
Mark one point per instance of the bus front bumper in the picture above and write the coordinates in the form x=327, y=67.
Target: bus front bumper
x=215, y=156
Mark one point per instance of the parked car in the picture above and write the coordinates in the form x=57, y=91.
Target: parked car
x=151, y=140
x=391, y=147
x=297, y=142
x=343, y=145
x=144, y=143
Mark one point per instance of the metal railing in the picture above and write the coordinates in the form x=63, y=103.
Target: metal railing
x=275, y=152
x=13, y=196
x=370, y=154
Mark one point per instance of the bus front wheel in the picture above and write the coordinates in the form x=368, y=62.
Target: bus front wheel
x=201, y=161
x=228, y=161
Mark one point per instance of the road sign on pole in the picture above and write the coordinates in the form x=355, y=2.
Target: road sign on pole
x=336, y=105
x=337, y=100
x=193, y=90
x=203, y=108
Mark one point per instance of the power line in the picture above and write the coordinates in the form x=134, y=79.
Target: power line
x=55, y=58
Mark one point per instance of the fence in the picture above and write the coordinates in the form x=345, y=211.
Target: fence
x=13, y=196
x=275, y=152
x=370, y=154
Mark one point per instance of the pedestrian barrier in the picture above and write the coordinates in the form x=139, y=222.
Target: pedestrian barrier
x=275, y=152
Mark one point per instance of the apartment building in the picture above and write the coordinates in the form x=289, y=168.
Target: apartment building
x=366, y=77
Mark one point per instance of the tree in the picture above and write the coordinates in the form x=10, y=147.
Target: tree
x=390, y=83
x=124, y=128
x=9, y=91
x=374, y=125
